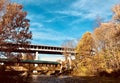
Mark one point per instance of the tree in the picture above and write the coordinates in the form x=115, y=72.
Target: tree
x=14, y=27
x=84, y=54
x=3, y=4
x=85, y=45
x=116, y=11
x=107, y=39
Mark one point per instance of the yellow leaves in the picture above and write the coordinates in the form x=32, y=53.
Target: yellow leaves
x=109, y=70
x=84, y=70
x=85, y=67
x=116, y=10
x=106, y=41
x=85, y=45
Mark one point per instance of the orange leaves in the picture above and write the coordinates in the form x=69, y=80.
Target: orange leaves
x=15, y=25
x=2, y=4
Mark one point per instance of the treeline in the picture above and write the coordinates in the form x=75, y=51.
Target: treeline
x=99, y=52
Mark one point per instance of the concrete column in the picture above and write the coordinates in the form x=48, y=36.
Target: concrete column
x=36, y=58
x=23, y=56
x=70, y=61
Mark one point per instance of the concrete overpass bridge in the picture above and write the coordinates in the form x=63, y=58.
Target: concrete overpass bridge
x=37, y=49
x=42, y=49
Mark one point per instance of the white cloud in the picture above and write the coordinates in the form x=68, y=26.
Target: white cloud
x=40, y=32
x=83, y=9
x=36, y=2
x=50, y=34
x=34, y=17
x=89, y=9
x=50, y=20
x=57, y=18
x=94, y=8
x=69, y=12
x=36, y=24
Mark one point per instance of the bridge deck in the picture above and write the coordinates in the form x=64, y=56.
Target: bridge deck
x=35, y=48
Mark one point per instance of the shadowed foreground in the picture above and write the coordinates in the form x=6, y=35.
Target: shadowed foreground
x=54, y=79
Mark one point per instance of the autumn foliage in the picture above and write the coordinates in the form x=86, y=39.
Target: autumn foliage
x=14, y=26
x=100, y=51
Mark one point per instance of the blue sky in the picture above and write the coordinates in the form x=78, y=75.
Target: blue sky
x=55, y=21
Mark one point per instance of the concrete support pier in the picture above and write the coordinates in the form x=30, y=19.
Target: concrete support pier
x=36, y=58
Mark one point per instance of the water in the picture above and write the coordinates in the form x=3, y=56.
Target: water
x=52, y=79
x=56, y=79
x=71, y=79
x=47, y=79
